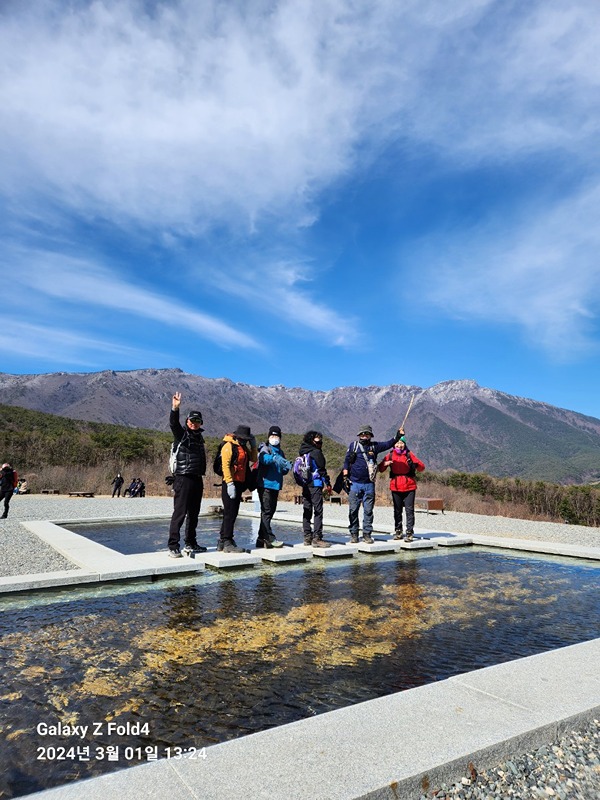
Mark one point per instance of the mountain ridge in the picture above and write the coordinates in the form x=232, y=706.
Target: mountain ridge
x=455, y=424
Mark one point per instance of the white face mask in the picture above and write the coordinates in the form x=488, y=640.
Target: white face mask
x=274, y=440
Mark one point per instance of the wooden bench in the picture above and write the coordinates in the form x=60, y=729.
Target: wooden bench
x=430, y=503
x=50, y=491
x=335, y=500
x=81, y=494
x=247, y=498
x=298, y=499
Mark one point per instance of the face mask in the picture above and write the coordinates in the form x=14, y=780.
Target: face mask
x=400, y=449
x=318, y=444
x=274, y=440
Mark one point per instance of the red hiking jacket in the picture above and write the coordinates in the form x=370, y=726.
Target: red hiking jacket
x=400, y=480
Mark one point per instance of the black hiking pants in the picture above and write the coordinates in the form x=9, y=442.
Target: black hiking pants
x=188, y=491
x=268, y=506
x=406, y=501
x=230, y=510
x=312, y=502
x=6, y=495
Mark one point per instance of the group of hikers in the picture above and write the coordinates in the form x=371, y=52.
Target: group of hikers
x=137, y=487
x=243, y=465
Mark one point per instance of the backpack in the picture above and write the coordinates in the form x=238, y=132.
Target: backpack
x=302, y=470
x=172, y=457
x=218, y=462
x=371, y=462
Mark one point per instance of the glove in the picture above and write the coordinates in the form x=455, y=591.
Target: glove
x=346, y=484
x=170, y=480
x=282, y=464
x=231, y=490
x=252, y=442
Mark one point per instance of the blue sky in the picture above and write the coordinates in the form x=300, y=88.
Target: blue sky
x=311, y=194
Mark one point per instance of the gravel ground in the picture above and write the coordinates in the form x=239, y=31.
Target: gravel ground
x=567, y=768
x=22, y=553
x=457, y=522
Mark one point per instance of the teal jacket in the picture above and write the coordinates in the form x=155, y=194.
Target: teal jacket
x=272, y=466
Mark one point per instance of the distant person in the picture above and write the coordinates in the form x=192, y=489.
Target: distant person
x=403, y=464
x=272, y=466
x=360, y=468
x=130, y=490
x=188, y=484
x=117, y=483
x=8, y=482
x=22, y=487
x=141, y=488
x=312, y=494
x=238, y=451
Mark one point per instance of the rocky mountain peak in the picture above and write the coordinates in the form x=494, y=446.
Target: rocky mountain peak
x=456, y=424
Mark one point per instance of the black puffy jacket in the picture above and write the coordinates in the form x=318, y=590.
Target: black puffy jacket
x=191, y=455
x=7, y=480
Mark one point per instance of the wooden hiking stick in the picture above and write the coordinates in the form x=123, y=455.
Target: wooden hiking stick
x=408, y=412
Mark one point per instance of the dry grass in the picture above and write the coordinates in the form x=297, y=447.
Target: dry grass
x=98, y=480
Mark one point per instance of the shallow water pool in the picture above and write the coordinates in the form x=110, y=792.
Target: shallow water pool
x=193, y=661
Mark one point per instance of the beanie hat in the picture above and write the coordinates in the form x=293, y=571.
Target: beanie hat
x=275, y=430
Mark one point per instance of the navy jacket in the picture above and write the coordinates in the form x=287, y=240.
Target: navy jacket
x=359, y=472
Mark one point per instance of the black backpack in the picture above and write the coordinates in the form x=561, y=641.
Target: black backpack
x=218, y=462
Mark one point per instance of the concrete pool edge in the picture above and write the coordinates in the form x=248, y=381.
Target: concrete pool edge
x=502, y=542
x=96, y=564
x=392, y=747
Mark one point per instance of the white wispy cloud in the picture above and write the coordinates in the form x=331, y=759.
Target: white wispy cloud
x=282, y=290
x=543, y=278
x=77, y=281
x=55, y=344
x=189, y=114
x=177, y=117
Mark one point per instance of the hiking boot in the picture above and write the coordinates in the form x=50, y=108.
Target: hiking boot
x=367, y=539
x=194, y=548
x=398, y=535
x=175, y=552
x=354, y=538
x=409, y=537
x=275, y=543
x=307, y=542
x=320, y=543
x=229, y=546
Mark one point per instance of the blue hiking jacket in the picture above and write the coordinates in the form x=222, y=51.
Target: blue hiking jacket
x=272, y=466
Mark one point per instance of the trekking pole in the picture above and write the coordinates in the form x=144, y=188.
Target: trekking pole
x=408, y=412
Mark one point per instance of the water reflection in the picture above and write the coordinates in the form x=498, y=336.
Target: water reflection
x=208, y=661
x=143, y=536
